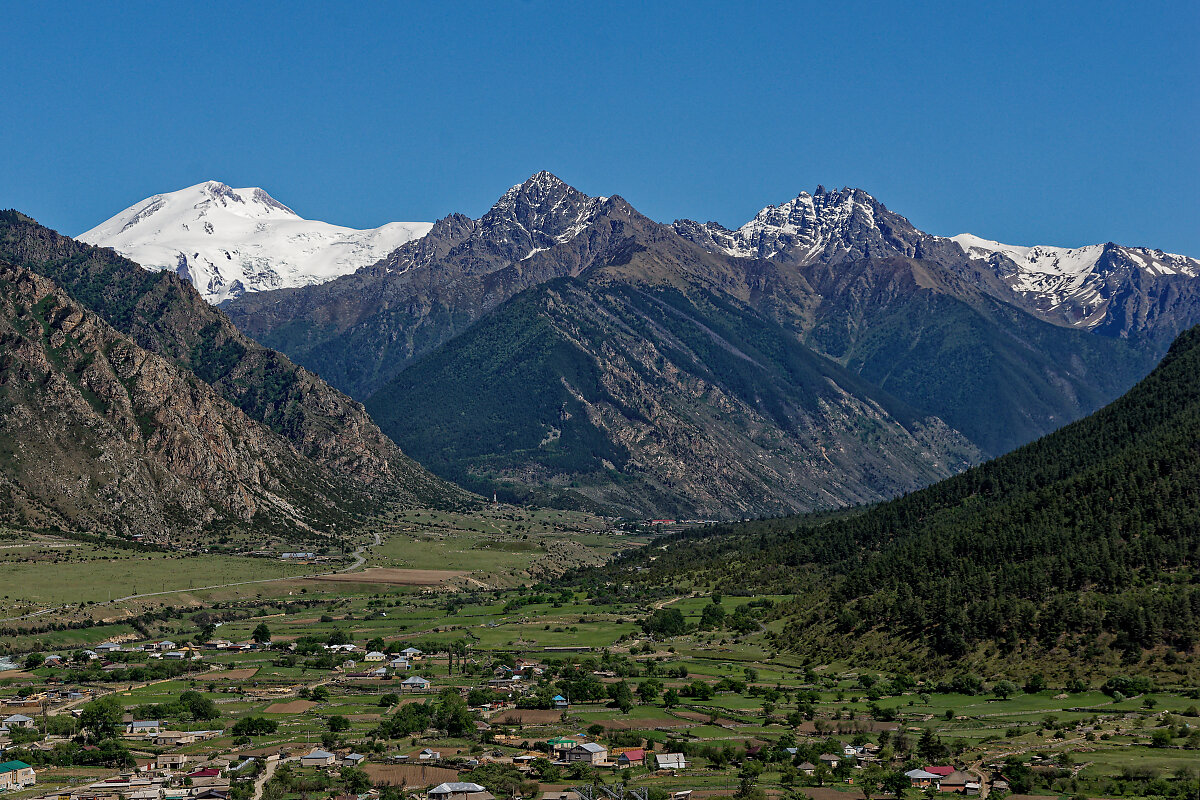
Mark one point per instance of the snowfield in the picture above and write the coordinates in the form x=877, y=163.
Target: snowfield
x=231, y=241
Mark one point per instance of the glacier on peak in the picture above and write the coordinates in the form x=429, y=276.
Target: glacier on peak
x=228, y=241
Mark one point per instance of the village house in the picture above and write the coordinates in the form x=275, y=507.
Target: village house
x=18, y=721
x=411, y=653
x=108, y=647
x=959, y=781
x=919, y=778
x=460, y=791
x=588, y=753
x=16, y=775
x=415, y=684
x=670, y=761
x=808, y=768
x=143, y=727
x=353, y=760
x=429, y=755
x=174, y=738
x=318, y=758
x=374, y=655
x=631, y=757
x=560, y=702
x=829, y=760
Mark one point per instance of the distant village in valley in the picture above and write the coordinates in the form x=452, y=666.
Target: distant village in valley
x=343, y=700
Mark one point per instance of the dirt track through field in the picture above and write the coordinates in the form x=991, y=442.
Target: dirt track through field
x=293, y=707
x=394, y=577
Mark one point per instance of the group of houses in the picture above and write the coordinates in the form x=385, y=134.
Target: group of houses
x=380, y=665
x=166, y=779
x=945, y=779
x=566, y=750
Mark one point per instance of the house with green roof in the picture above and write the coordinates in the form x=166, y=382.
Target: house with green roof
x=16, y=775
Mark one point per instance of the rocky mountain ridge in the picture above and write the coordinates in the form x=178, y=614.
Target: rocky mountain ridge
x=99, y=434
x=1113, y=290
x=163, y=314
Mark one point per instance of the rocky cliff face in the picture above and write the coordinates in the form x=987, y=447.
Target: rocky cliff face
x=163, y=314
x=98, y=433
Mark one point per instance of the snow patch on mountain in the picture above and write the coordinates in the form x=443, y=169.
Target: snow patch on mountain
x=230, y=241
x=1080, y=280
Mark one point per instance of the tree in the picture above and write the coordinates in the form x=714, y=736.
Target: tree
x=930, y=747
x=198, y=706
x=453, y=715
x=320, y=694
x=648, y=690
x=207, y=629
x=338, y=723
x=102, y=717
x=664, y=622
x=671, y=698
x=712, y=617
x=895, y=783
x=34, y=660
x=255, y=726
x=262, y=634
x=1004, y=689
x=1035, y=684
x=1019, y=775
x=356, y=780
x=622, y=695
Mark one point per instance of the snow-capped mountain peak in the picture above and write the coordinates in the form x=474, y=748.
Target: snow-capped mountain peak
x=230, y=241
x=825, y=227
x=1075, y=282
x=538, y=214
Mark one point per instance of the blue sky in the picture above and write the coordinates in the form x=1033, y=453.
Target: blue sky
x=1027, y=122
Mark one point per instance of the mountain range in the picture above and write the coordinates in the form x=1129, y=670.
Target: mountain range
x=132, y=405
x=566, y=348
x=231, y=241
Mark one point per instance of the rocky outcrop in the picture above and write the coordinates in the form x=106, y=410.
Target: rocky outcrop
x=163, y=314
x=100, y=434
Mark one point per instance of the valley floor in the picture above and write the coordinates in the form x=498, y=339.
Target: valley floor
x=496, y=649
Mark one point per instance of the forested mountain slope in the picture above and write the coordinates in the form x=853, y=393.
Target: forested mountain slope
x=1089, y=535
x=647, y=397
